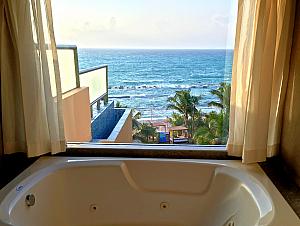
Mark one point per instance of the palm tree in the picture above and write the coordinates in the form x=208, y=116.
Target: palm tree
x=136, y=115
x=184, y=103
x=119, y=105
x=203, y=135
x=216, y=125
x=146, y=130
x=176, y=119
x=211, y=131
x=223, y=95
x=223, y=104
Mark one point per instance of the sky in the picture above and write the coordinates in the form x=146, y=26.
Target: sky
x=146, y=24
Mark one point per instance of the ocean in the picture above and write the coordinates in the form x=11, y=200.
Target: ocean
x=144, y=79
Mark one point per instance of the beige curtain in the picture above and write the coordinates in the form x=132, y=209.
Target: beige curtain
x=259, y=77
x=31, y=109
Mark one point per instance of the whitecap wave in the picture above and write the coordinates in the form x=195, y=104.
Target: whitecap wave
x=137, y=96
x=161, y=86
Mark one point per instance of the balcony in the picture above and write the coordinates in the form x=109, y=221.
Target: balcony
x=87, y=114
x=112, y=125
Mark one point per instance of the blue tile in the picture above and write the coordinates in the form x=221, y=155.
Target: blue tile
x=105, y=122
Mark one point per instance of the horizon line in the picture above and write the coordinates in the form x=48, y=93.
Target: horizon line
x=146, y=48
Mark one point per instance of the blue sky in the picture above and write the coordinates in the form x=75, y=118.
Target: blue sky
x=187, y=24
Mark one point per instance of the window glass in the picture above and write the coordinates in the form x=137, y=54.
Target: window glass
x=163, y=68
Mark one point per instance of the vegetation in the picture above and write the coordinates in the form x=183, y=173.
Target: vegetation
x=204, y=128
x=136, y=115
x=143, y=132
x=176, y=119
x=119, y=105
x=223, y=95
x=146, y=133
x=185, y=104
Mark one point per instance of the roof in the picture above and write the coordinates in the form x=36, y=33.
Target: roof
x=159, y=124
x=178, y=128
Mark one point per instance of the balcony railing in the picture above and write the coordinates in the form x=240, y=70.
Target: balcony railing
x=97, y=80
x=107, y=125
x=71, y=78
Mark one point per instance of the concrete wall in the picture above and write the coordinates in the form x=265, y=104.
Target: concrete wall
x=122, y=133
x=125, y=134
x=77, y=115
x=290, y=140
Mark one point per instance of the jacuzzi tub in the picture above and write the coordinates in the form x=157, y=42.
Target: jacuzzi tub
x=65, y=191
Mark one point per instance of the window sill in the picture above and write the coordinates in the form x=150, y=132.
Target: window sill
x=147, y=151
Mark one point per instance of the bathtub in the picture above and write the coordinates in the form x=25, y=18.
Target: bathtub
x=69, y=191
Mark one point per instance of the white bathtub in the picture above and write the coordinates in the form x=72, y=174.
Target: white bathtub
x=142, y=192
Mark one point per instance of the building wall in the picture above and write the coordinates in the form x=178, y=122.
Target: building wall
x=290, y=142
x=77, y=115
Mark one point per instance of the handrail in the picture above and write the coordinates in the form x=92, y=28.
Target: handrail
x=66, y=47
x=104, y=95
x=84, y=71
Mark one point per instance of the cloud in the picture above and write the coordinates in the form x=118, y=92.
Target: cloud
x=94, y=26
x=112, y=23
x=220, y=20
x=144, y=25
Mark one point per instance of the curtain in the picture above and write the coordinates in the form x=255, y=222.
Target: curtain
x=259, y=77
x=31, y=99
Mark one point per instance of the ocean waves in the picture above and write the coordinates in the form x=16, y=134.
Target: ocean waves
x=138, y=96
x=144, y=79
x=162, y=86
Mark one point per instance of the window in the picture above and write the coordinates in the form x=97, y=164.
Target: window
x=157, y=71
